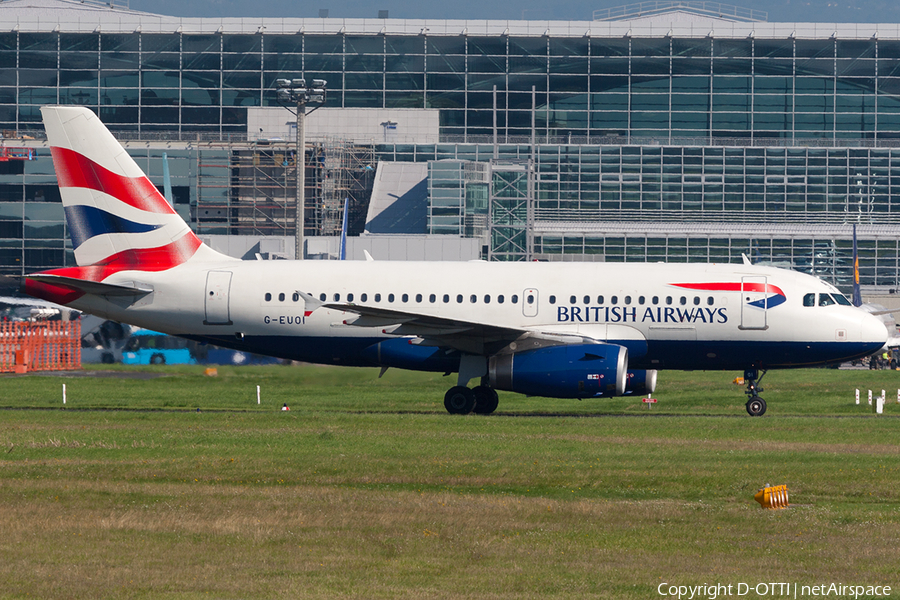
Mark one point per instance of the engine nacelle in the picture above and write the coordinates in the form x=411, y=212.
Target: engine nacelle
x=641, y=382
x=402, y=354
x=568, y=371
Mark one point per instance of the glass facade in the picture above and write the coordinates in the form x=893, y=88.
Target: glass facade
x=827, y=257
x=581, y=88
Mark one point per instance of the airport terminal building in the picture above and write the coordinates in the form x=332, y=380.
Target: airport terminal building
x=664, y=131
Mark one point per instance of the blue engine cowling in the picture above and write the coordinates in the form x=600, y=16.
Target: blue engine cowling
x=641, y=382
x=402, y=354
x=570, y=371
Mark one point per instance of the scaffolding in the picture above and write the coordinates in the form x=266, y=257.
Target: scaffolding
x=251, y=189
x=344, y=171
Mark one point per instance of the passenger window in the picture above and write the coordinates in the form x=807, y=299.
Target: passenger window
x=296, y=297
x=500, y=299
x=473, y=298
x=640, y=299
x=487, y=298
x=514, y=299
x=322, y=297
x=459, y=299
x=809, y=300
x=377, y=297
x=587, y=299
x=349, y=297
x=337, y=297
x=683, y=300
x=599, y=299
x=418, y=297
x=696, y=300
x=281, y=297
x=572, y=299
x=825, y=300
x=405, y=298
x=710, y=300
x=432, y=298
x=268, y=297
x=668, y=299
x=655, y=300
x=552, y=299
x=390, y=297
x=627, y=299
x=446, y=298
x=531, y=298
x=363, y=297
x=614, y=300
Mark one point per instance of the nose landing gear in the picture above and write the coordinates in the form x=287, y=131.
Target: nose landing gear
x=756, y=406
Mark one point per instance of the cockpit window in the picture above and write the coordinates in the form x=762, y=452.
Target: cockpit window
x=825, y=300
x=809, y=300
x=842, y=300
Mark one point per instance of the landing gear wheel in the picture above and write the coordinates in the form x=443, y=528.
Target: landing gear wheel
x=756, y=406
x=486, y=400
x=459, y=400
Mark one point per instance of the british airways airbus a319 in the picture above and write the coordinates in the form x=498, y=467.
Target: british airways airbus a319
x=564, y=330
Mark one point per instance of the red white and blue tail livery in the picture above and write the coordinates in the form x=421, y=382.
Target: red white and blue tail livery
x=566, y=330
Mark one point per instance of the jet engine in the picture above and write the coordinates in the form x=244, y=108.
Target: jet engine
x=641, y=382
x=565, y=371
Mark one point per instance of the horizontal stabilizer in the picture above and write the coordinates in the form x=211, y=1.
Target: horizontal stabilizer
x=91, y=287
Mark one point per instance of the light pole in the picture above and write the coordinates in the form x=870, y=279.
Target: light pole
x=295, y=91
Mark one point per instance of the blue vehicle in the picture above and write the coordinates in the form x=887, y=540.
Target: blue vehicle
x=147, y=347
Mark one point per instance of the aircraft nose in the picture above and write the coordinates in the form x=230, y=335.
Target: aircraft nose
x=872, y=330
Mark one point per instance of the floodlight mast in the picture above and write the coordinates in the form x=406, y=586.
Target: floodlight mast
x=295, y=91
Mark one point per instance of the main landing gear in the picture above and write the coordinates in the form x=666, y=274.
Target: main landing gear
x=460, y=400
x=756, y=406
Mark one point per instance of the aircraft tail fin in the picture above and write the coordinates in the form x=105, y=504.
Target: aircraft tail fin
x=116, y=217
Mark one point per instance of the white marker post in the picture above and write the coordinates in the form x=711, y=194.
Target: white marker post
x=879, y=405
x=257, y=395
x=870, y=397
x=857, y=396
x=64, y=393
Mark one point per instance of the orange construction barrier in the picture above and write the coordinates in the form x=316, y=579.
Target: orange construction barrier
x=39, y=346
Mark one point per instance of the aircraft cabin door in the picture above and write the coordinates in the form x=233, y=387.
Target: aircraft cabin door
x=753, y=302
x=218, y=286
x=530, y=302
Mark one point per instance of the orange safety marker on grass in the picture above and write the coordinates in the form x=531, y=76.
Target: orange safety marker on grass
x=772, y=496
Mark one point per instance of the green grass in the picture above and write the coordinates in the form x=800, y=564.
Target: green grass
x=368, y=489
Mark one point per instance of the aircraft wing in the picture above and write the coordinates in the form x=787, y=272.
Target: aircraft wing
x=472, y=337
x=466, y=336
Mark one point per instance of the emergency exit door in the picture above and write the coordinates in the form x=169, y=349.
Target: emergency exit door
x=753, y=302
x=218, y=286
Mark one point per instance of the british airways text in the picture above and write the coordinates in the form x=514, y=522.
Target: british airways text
x=635, y=314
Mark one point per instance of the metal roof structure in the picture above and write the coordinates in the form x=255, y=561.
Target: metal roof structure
x=87, y=17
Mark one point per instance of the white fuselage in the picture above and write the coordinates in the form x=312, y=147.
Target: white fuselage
x=720, y=316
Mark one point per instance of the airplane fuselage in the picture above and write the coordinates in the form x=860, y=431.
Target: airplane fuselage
x=668, y=316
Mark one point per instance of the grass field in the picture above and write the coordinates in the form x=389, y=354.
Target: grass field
x=368, y=489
